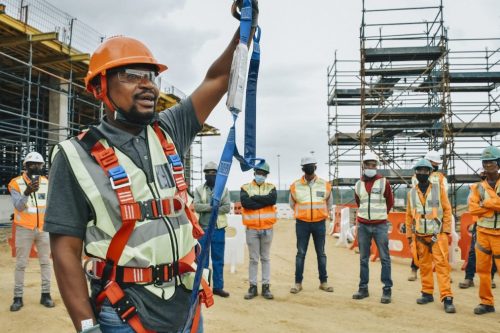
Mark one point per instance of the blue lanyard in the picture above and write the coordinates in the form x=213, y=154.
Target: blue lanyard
x=247, y=161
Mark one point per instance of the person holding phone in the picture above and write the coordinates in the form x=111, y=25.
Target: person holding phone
x=29, y=194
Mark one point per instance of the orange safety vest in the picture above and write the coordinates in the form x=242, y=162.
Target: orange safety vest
x=311, y=199
x=34, y=213
x=262, y=218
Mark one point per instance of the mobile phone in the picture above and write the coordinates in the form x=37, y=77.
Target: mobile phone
x=35, y=178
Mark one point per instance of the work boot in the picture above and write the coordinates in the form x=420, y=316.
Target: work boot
x=46, y=300
x=386, y=297
x=493, y=284
x=361, y=293
x=252, y=292
x=467, y=283
x=413, y=275
x=325, y=287
x=448, y=305
x=266, y=293
x=426, y=298
x=483, y=308
x=221, y=293
x=296, y=289
x=17, y=304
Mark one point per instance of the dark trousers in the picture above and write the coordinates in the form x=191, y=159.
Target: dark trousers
x=303, y=231
x=378, y=232
x=217, y=255
x=470, y=269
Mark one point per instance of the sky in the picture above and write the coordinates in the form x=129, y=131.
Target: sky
x=298, y=42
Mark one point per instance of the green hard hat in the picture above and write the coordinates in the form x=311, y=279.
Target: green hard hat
x=422, y=163
x=490, y=153
x=262, y=166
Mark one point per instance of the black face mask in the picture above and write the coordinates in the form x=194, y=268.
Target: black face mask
x=422, y=178
x=33, y=170
x=309, y=169
x=435, y=167
x=482, y=177
x=210, y=180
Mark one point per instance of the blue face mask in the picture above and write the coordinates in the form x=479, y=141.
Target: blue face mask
x=260, y=179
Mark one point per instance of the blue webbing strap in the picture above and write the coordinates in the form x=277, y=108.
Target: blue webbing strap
x=230, y=151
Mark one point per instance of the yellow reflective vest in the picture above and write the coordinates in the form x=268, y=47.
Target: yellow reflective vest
x=262, y=218
x=311, y=199
x=34, y=214
x=428, y=219
x=372, y=206
x=492, y=220
x=153, y=242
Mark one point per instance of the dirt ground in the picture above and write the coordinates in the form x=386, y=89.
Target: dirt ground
x=312, y=310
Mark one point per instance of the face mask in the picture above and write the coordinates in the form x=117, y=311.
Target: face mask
x=260, y=179
x=34, y=170
x=210, y=180
x=422, y=178
x=309, y=169
x=483, y=177
x=370, y=172
x=435, y=167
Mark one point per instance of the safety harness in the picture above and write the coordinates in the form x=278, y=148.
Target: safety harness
x=111, y=275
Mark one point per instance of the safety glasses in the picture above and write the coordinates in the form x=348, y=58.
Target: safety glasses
x=136, y=76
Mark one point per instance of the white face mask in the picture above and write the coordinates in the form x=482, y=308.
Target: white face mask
x=260, y=179
x=370, y=172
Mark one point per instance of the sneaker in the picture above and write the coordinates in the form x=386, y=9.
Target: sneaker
x=17, y=304
x=46, y=300
x=426, y=298
x=221, y=293
x=252, y=292
x=483, y=308
x=296, y=289
x=325, y=287
x=266, y=293
x=360, y=294
x=448, y=305
x=386, y=297
x=467, y=283
x=412, y=276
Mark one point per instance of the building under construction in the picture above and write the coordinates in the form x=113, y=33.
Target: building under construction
x=413, y=89
x=44, y=56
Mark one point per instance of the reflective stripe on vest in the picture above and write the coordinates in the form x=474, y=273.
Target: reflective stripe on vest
x=34, y=214
x=262, y=218
x=311, y=201
x=427, y=219
x=484, y=221
x=151, y=241
x=372, y=206
x=206, y=199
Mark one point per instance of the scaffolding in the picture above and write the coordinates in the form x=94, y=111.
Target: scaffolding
x=413, y=90
x=43, y=61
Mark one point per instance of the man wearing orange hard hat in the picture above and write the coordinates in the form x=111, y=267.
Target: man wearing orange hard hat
x=125, y=197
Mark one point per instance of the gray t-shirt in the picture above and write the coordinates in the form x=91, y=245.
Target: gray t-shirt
x=68, y=213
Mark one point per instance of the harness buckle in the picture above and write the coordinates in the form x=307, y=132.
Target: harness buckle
x=119, y=183
x=146, y=210
x=125, y=308
x=90, y=272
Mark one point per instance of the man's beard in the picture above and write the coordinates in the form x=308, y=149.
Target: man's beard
x=133, y=116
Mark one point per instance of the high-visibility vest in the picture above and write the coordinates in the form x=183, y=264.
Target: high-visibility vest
x=311, y=199
x=34, y=214
x=428, y=219
x=206, y=199
x=153, y=241
x=372, y=206
x=490, y=222
x=262, y=218
x=436, y=177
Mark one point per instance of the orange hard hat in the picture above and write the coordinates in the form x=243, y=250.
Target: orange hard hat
x=116, y=52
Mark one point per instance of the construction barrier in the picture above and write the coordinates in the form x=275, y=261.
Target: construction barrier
x=12, y=243
x=466, y=223
x=235, y=242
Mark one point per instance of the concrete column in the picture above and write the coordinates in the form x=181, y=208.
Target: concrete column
x=58, y=115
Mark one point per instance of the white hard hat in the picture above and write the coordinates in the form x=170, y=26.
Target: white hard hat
x=210, y=166
x=308, y=160
x=370, y=156
x=433, y=156
x=33, y=157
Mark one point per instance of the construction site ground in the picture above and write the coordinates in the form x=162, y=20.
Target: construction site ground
x=312, y=310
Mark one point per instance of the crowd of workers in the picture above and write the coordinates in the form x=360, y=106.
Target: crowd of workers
x=126, y=207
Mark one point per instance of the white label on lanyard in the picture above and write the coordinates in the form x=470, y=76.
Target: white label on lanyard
x=32, y=210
